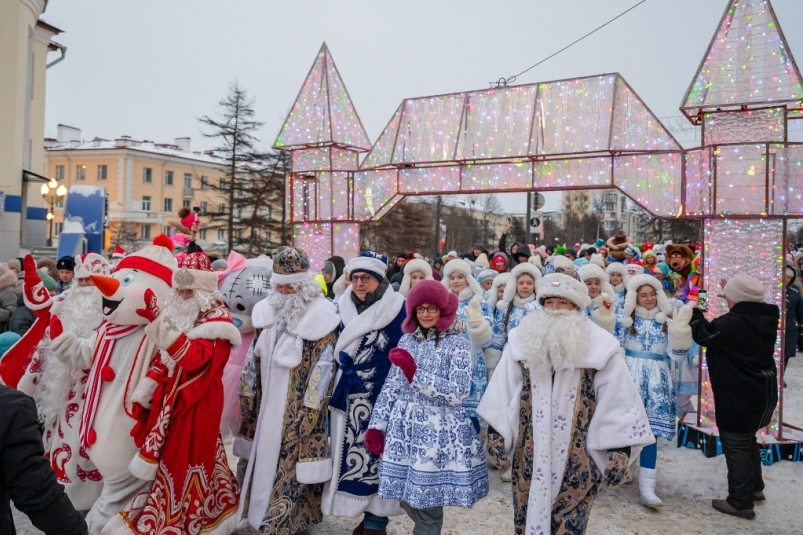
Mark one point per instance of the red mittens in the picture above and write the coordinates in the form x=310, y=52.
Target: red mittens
x=151, y=310
x=56, y=328
x=375, y=440
x=404, y=360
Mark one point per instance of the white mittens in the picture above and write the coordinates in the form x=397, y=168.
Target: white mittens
x=474, y=313
x=604, y=315
x=679, y=330
x=479, y=332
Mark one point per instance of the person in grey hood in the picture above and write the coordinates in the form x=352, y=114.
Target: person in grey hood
x=744, y=379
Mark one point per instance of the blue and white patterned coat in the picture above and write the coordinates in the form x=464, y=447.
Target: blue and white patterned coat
x=653, y=377
x=517, y=313
x=479, y=374
x=433, y=456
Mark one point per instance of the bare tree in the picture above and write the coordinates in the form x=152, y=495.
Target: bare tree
x=124, y=235
x=235, y=133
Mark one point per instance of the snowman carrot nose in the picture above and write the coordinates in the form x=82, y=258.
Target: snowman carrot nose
x=107, y=285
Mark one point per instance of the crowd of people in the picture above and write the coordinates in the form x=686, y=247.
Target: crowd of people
x=370, y=389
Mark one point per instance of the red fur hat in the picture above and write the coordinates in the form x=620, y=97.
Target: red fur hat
x=430, y=293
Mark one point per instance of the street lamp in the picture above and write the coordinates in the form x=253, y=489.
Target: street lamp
x=51, y=191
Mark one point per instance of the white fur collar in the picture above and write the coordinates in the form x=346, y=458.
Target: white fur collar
x=465, y=293
x=619, y=288
x=519, y=302
x=602, y=345
x=643, y=313
x=375, y=317
x=318, y=319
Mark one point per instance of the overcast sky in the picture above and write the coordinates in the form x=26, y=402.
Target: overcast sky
x=150, y=68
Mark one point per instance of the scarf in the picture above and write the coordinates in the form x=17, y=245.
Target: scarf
x=100, y=359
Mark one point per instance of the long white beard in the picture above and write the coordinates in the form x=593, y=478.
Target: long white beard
x=288, y=307
x=81, y=314
x=185, y=312
x=553, y=339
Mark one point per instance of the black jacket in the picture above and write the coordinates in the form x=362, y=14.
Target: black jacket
x=22, y=319
x=794, y=320
x=25, y=474
x=740, y=347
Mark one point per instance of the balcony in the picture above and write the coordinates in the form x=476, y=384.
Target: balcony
x=188, y=193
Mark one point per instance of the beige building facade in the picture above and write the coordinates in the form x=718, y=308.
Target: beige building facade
x=147, y=183
x=25, y=41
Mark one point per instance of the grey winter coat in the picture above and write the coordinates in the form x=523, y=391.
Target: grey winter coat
x=8, y=296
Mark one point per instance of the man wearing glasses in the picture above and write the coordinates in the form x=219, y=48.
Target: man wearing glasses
x=372, y=314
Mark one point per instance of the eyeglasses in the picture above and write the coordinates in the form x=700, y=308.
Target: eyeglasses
x=361, y=278
x=647, y=296
x=429, y=310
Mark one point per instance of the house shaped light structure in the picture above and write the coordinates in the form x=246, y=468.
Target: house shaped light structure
x=584, y=133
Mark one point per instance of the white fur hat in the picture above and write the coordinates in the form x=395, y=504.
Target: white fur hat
x=632, y=292
x=560, y=285
x=409, y=267
x=536, y=261
x=515, y=273
x=593, y=271
x=562, y=261
x=91, y=264
x=618, y=267
x=482, y=261
x=500, y=280
x=597, y=259
x=460, y=266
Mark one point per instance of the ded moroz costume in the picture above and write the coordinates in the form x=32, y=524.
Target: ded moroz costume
x=190, y=487
x=568, y=411
x=371, y=327
x=290, y=457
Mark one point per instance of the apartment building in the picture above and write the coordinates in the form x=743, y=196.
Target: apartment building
x=147, y=184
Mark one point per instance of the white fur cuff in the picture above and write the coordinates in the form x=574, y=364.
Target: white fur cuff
x=679, y=336
x=242, y=448
x=144, y=470
x=480, y=335
x=309, y=472
x=605, y=320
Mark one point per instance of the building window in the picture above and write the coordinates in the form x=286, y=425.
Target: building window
x=269, y=213
x=186, y=203
x=204, y=182
x=188, y=180
x=59, y=173
x=221, y=234
x=202, y=233
x=102, y=172
x=80, y=172
x=624, y=203
x=204, y=208
x=239, y=213
x=168, y=178
x=577, y=207
x=146, y=203
x=223, y=183
x=238, y=235
x=60, y=202
x=57, y=228
x=221, y=208
x=168, y=205
x=610, y=202
x=146, y=232
x=147, y=175
x=270, y=234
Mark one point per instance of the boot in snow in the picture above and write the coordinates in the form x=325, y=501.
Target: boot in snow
x=646, y=485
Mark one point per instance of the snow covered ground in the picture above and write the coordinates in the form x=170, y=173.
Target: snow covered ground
x=687, y=484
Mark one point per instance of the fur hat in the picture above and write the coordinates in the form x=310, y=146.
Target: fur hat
x=66, y=262
x=460, y=266
x=598, y=259
x=482, y=261
x=290, y=265
x=593, y=271
x=634, y=267
x=156, y=259
x=617, y=267
x=15, y=264
x=430, y=292
x=220, y=265
x=409, y=267
x=486, y=274
x=633, y=286
x=501, y=280
x=369, y=262
x=195, y=273
x=560, y=285
x=541, y=250
x=92, y=264
x=562, y=261
x=745, y=288
x=536, y=261
x=515, y=273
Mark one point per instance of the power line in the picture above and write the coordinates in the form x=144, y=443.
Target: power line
x=503, y=82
